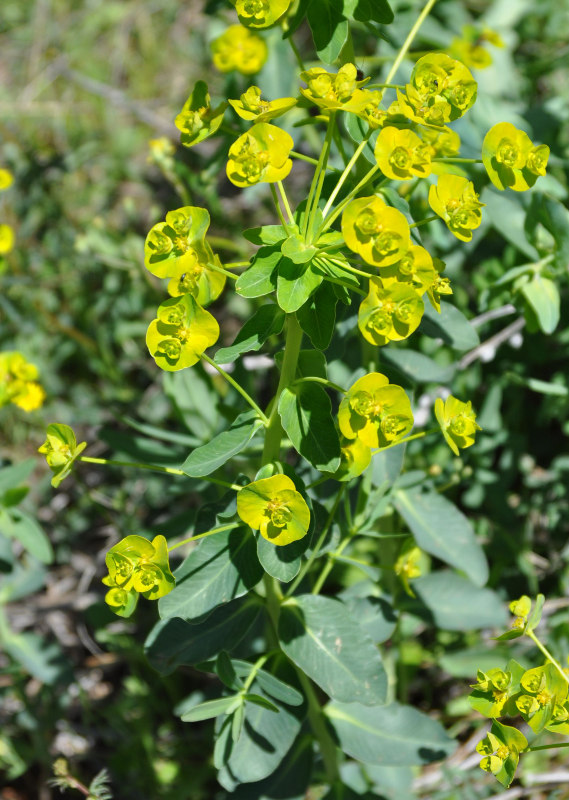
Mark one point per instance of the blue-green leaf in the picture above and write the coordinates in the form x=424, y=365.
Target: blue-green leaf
x=306, y=416
x=267, y=321
x=210, y=456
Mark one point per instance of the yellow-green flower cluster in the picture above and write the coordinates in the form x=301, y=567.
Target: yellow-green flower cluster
x=501, y=749
x=239, y=49
x=470, y=47
x=375, y=412
x=260, y=13
x=335, y=91
x=511, y=159
x=251, y=106
x=260, y=156
x=408, y=565
x=181, y=333
x=18, y=381
x=457, y=421
x=197, y=120
x=389, y=313
x=137, y=566
x=355, y=458
x=61, y=450
x=401, y=154
x=177, y=249
x=274, y=507
x=375, y=231
x=441, y=89
x=454, y=200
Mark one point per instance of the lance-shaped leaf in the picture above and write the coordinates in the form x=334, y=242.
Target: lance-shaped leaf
x=306, y=416
x=206, y=459
x=265, y=322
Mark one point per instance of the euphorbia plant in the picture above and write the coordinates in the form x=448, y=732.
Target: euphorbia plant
x=252, y=602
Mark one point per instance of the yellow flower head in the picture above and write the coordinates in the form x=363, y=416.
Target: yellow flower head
x=408, y=565
x=511, y=159
x=6, y=179
x=239, y=49
x=438, y=79
x=181, y=333
x=30, y=398
x=6, y=239
x=470, y=48
x=453, y=198
x=375, y=411
x=260, y=156
x=501, y=749
x=177, y=244
x=137, y=566
x=371, y=112
x=197, y=120
x=18, y=382
x=335, y=91
x=260, y=13
x=199, y=279
x=457, y=421
x=401, y=154
x=390, y=313
x=374, y=230
x=60, y=450
x=355, y=458
x=275, y=508
x=441, y=144
x=416, y=269
x=251, y=106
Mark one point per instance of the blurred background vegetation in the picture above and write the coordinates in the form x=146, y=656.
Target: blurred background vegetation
x=84, y=87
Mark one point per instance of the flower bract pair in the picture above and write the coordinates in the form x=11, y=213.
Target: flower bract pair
x=375, y=231
x=457, y=421
x=389, y=313
x=440, y=90
x=181, y=333
x=501, y=749
x=260, y=156
x=260, y=13
x=338, y=91
x=375, y=411
x=401, y=154
x=197, y=120
x=239, y=49
x=137, y=566
x=251, y=106
x=274, y=507
x=511, y=159
x=61, y=450
x=454, y=200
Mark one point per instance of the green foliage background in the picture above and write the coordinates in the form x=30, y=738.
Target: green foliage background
x=83, y=87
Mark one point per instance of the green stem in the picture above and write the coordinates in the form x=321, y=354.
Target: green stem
x=207, y=533
x=344, y=175
x=349, y=268
x=404, y=441
x=255, y=668
x=548, y=655
x=330, y=564
x=323, y=381
x=236, y=264
x=409, y=40
x=273, y=433
x=450, y=160
x=385, y=86
x=310, y=561
x=321, y=170
x=286, y=204
x=278, y=206
x=347, y=199
x=309, y=160
x=297, y=55
x=424, y=221
x=155, y=468
x=546, y=747
x=326, y=744
x=216, y=268
x=236, y=386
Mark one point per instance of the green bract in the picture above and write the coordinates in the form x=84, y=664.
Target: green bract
x=251, y=105
x=511, y=159
x=355, y=458
x=401, y=154
x=441, y=89
x=274, y=507
x=415, y=269
x=178, y=244
x=455, y=201
x=501, y=750
x=60, y=450
x=494, y=689
x=260, y=156
x=182, y=331
x=335, y=91
x=441, y=285
x=543, y=689
x=389, y=313
x=197, y=120
x=408, y=565
x=374, y=230
x=260, y=13
x=375, y=411
x=137, y=566
x=457, y=421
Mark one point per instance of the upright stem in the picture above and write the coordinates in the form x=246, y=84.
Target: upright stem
x=548, y=655
x=326, y=744
x=239, y=388
x=221, y=528
x=320, y=168
x=273, y=433
x=409, y=40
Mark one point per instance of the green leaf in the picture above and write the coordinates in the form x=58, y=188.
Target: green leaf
x=375, y=615
x=269, y=683
x=192, y=393
x=13, y=476
x=535, y=617
x=268, y=234
x=322, y=638
x=18, y=525
x=208, y=710
x=450, y=325
x=173, y=642
x=358, y=129
x=456, y=604
x=259, y=700
x=206, y=459
x=507, y=215
x=295, y=284
x=417, y=367
x=44, y=660
x=219, y=569
x=296, y=249
x=289, y=782
x=283, y=562
x=443, y=531
x=542, y=295
x=395, y=735
x=264, y=742
x=317, y=317
x=369, y=11
x=554, y=217
x=265, y=322
x=306, y=416
x=226, y=672
x=261, y=277
x=329, y=28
